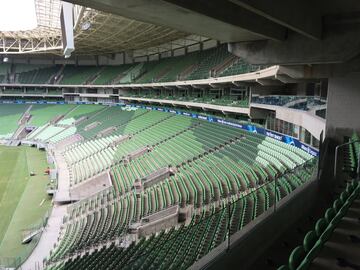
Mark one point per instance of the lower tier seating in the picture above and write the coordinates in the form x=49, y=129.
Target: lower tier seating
x=177, y=247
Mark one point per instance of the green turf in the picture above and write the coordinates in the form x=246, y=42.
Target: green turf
x=21, y=197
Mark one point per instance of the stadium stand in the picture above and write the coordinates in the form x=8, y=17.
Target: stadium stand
x=208, y=60
x=178, y=66
x=195, y=65
x=44, y=75
x=4, y=70
x=211, y=164
x=175, y=248
x=133, y=73
x=180, y=135
x=78, y=75
x=41, y=114
x=235, y=100
x=109, y=74
x=239, y=67
x=10, y=115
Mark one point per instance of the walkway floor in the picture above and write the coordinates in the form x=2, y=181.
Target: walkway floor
x=64, y=179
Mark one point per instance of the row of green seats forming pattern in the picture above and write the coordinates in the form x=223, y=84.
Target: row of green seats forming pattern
x=175, y=248
x=302, y=256
x=213, y=164
x=208, y=99
x=41, y=115
x=214, y=62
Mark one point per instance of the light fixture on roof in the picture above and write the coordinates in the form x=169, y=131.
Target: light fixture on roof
x=5, y=59
x=86, y=26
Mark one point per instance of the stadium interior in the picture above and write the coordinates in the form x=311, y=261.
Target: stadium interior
x=173, y=134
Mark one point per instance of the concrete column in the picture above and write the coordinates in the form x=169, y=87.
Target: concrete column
x=343, y=106
x=301, y=89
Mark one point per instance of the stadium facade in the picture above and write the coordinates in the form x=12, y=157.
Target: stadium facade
x=176, y=149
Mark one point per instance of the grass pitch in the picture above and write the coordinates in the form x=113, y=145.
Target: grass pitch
x=23, y=198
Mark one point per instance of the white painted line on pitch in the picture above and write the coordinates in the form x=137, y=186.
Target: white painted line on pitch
x=42, y=202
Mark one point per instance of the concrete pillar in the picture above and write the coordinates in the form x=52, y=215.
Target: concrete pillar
x=301, y=89
x=343, y=106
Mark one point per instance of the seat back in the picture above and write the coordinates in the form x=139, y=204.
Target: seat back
x=329, y=215
x=309, y=241
x=320, y=226
x=296, y=257
x=343, y=196
x=337, y=205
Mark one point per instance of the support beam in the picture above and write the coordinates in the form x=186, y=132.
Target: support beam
x=285, y=79
x=343, y=106
x=268, y=82
x=300, y=16
x=338, y=46
x=217, y=19
x=228, y=12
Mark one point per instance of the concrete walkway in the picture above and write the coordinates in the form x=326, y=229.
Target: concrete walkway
x=62, y=193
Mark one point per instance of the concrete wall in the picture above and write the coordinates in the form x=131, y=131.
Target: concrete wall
x=314, y=124
x=343, y=108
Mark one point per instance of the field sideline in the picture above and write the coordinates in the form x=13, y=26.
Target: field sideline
x=23, y=199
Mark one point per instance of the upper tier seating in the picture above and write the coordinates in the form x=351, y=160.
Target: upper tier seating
x=132, y=73
x=19, y=68
x=78, y=75
x=110, y=73
x=195, y=65
x=43, y=75
x=156, y=69
x=5, y=68
x=239, y=67
x=179, y=65
x=209, y=59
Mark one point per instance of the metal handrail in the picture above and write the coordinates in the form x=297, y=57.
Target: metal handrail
x=336, y=156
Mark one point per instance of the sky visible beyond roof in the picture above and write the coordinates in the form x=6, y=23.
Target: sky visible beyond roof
x=16, y=15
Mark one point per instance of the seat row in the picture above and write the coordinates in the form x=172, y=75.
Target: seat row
x=201, y=182
x=302, y=256
x=179, y=247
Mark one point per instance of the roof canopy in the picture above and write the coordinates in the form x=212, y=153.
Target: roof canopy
x=95, y=33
